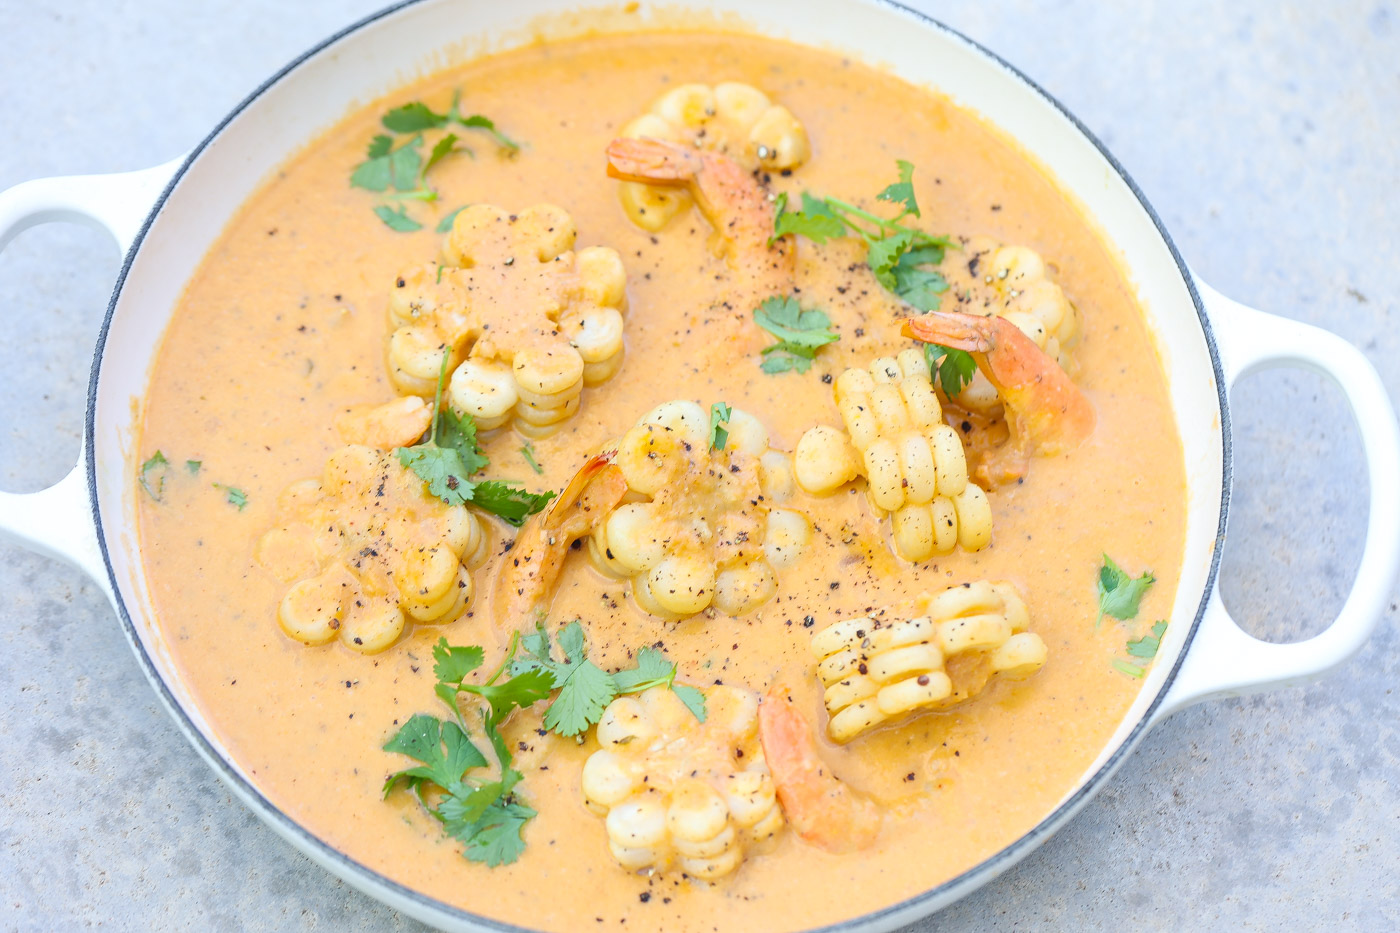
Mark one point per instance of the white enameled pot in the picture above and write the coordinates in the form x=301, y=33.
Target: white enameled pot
x=166, y=218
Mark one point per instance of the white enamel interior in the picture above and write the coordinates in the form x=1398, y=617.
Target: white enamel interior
x=423, y=37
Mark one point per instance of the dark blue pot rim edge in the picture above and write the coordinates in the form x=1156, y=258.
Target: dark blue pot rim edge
x=428, y=907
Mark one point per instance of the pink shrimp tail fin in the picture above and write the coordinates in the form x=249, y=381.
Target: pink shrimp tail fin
x=951, y=329
x=532, y=566
x=651, y=161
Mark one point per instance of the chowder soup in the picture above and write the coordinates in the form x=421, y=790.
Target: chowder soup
x=280, y=495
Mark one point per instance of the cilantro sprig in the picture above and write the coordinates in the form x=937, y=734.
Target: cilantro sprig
x=417, y=116
x=585, y=689
x=899, y=254
x=1120, y=592
x=399, y=171
x=483, y=811
x=800, y=334
x=451, y=455
x=902, y=257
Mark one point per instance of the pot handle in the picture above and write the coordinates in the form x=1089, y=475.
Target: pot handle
x=58, y=521
x=1224, y=660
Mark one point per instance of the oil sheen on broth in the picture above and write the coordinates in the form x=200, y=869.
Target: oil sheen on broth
x=284, y=325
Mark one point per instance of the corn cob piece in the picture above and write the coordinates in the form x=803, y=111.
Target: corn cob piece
x=365, y=549
x=914, y=464
x=528, y=322
x=880, y=670
x=735, y=119
x=703, y=528
x=679, y=794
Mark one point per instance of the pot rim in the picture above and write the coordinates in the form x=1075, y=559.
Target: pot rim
x=919, y=905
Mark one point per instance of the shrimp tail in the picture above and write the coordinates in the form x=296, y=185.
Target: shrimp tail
x=1047, y=412
x=537, y=556
x=822, y=809
x=949, y=329
x=652, y=162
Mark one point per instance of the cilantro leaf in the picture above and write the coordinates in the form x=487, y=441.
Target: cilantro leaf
x=380, y=145
x=652, y=670
x=412, y=117
x=817, y=220
x=417, y=116
x=397, y=219
x=440, y=151
x=192, y=465
x=1119, y=592
x=405, y=165
x=1147, y=645
x=784, y=318
x=454, y=663
x=693, y=699
x=478, y=122
x=443, y=748
x=458, y=432
x=585, y=689
x=583, y=696
x=784, y=362
x=374, y=173
x=902, y=191
x=953, y=368
x=573, y=643
x=508, y=500
x=882, y=255
x=719, y=425
x=518, y=692
x=536, y=647
x=385, y=166
x=800, y=334
x=445, y=226
x=156, y=464
x=496, y=838
x=442, y=469
x=920, y=287
x=464, y=805
x=235, y=496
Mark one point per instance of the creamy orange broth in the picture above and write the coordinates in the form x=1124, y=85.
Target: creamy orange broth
x=283, y=326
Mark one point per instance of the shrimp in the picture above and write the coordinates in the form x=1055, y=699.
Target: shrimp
x=399, y=423
x=824, y=811
x=732, y=200
x=1045, y=411
x=535, y=560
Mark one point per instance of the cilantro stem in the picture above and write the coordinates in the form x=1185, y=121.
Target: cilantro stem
x=437, y=396
x=417, y=194
x=505, y=662
x=882, y=223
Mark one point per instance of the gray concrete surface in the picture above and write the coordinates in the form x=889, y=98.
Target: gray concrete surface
x=1266, y=135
